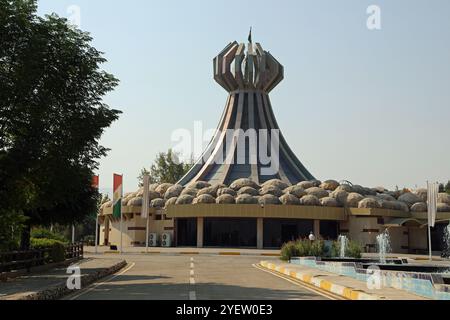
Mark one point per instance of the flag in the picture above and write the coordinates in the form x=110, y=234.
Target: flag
x=117, y=196
x=433, y=190
x=95, y=182
x=145, y=197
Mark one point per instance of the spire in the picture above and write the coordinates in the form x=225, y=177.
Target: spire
x=250, y=35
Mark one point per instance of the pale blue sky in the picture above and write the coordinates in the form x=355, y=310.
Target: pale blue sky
x=372, y=107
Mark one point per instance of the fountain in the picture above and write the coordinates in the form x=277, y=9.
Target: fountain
x=446, y=252
x=383, y=245
x=343, y=242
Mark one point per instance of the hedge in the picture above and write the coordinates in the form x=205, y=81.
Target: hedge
x=58, y=248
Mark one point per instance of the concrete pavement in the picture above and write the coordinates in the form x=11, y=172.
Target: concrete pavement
x=52, y=283
x=194, y=277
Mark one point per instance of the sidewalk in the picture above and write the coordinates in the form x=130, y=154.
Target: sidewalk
x=340, y=285
x=190, y=251
x=51, y=284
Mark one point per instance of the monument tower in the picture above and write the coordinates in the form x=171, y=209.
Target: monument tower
x=248, y=76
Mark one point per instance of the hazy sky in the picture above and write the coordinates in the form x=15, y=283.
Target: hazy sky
x=371, y=107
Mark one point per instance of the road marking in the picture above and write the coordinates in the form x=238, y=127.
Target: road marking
x=322, y=293
x=95, y=285
x=192, y=294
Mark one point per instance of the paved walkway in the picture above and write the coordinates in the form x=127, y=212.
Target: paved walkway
x=32, y=285
x=337, y=284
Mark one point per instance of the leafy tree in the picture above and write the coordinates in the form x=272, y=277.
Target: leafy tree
x=51, y=117
x=447, y=187
x=166, y=168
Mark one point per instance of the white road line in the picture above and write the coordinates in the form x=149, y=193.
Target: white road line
x=329, y=296
x=95, y=285
x=192, y=294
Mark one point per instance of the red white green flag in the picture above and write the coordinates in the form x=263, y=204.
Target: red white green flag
x=95, y=181
x=117, y=196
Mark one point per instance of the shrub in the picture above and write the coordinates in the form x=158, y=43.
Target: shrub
x=304, y=248
x=57, y=252
x=42, y=233
x=317, y=249
x=335, y=249
x=89, y=240
x=289, y=250
x=354, y=250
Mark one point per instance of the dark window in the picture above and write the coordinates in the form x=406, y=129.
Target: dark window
x=329, y=229
x=229, y=232
x=279, y=231
x=186, y=232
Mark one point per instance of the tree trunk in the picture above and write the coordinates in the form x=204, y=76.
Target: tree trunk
x=25, y=237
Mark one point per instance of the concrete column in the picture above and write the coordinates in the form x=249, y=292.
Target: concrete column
x=200, y=221
x=260, y=233
x=317, y=228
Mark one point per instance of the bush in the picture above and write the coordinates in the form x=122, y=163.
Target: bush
x=317, y=249
x=58, y=248
x=289, y=250
x=335, y=249
x=302, y=248
x=89, y=240
x=354, y=250
x=41, y=233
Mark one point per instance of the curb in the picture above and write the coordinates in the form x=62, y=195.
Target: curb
x=60, y=290
x=323, y=284
x=220, y=253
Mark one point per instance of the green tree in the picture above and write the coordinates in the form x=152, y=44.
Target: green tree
x=447, y=187
x=51, y=117
x=166, y=168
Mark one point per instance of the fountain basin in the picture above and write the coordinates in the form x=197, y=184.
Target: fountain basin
x=364, y=260
x=409, y=267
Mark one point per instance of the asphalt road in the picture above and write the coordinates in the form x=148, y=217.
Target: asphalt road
x=200, y=277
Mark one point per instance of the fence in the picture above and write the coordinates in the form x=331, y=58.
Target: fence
x=17, y=260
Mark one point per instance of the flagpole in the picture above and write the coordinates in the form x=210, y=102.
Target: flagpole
x=96, y=182
x=96, y=233
x=146, y=237
x=121, y=217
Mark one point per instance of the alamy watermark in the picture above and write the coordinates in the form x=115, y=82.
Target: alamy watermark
x=74, y=280
x=230, y=146
x=374, y=19
x=74, y=16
